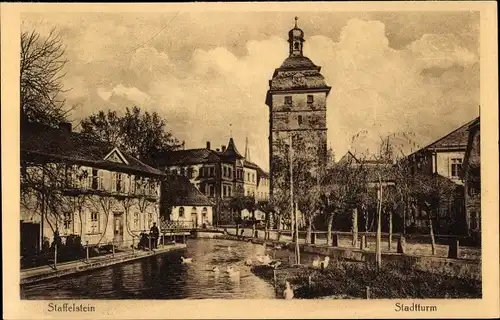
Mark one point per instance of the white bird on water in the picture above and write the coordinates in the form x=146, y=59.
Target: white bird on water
x=288, y=292
x=232, y=273
x=215, y=269
x=316, y=262
x=186, y=260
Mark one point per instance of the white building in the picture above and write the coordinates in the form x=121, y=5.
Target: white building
x=77, y=186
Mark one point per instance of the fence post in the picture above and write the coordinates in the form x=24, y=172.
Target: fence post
x=87, y=248
x=55, y=256
x=453, y=249
x=401, y=245
x=113, y=246
x=275, y=283
x=367, y=293
x=149, y=238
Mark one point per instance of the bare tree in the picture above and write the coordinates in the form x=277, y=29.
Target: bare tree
x=41, y=71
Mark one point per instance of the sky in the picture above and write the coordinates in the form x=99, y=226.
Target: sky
x=206, y=73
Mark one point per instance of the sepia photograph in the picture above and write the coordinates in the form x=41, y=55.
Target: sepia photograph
x=250, y=154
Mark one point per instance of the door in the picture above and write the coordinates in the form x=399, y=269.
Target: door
x=118, y=227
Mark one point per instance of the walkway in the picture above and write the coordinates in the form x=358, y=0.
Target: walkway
x=37, y=274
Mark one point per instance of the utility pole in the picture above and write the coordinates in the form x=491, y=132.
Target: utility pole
x=378, y=256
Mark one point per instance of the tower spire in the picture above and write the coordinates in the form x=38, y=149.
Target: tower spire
x=296, y=39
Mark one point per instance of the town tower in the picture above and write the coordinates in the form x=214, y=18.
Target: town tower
x=297, y=108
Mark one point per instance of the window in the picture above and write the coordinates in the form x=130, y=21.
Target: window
x=248, y=176
x=136, y=221
x=310, y=99
x=67, y=223
x=211, y=190
x=456, y=167
x=230, y=172
x=204, y=212
x=119, y=184
x=299, y=120
x=150, y=219
x=288, y=100
x=253, y=177
x=473, y=221
x=229, y=191
x=212, y=171
x=224, y=171
x=224, y=191
x=190, y=173
x=174, y=171
x=95, y=179
x=94, y=222
x=181, y=212
x=296, y=45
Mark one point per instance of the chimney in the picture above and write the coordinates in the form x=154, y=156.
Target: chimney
x=65, y=126
x=223, y=148
x=208, y=145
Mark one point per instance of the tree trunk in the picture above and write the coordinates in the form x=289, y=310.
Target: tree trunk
x=309, y=230
x=253, y=223
x=378, y=256
x=431, y=231
x=390, y=230
x=279, y=227
x=329, y=225
x=266, y=228
x=355, y=227
x=237, y=230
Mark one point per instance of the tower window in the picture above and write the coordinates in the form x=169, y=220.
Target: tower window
x=296, y=46
x=300, y=120
x=288, y=99
x=310, y=99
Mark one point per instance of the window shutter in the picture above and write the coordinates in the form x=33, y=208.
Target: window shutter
x=113, y=181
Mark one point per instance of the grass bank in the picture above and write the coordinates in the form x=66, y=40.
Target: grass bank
x=343, y=279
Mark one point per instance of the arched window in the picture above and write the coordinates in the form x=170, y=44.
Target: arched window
x=181, y=212
x=204, y=212
x=296, y=45
x=193, y=210
x=300, y=120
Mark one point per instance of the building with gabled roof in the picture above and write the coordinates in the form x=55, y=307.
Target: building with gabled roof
x=182, y=202
x=443, y=156
x=219, y=174
x=73, y=185
x=471, y=174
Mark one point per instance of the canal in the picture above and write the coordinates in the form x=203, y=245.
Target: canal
x=165, y=277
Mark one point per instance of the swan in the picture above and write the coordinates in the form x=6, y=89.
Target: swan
x=288, y=292
x=275, y=264
x=324, y=263
x=316, y=262
x=278, y=247
x=186, y=260
x=266, y=259
x=232, y=273
x=215, y=269
x=248, y=262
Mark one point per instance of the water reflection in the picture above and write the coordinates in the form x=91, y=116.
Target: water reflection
x=164, y=277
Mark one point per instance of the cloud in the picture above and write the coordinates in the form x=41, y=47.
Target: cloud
x=120, y=91
x=428, y=87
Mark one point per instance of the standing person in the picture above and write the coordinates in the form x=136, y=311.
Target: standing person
x=155, y=234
